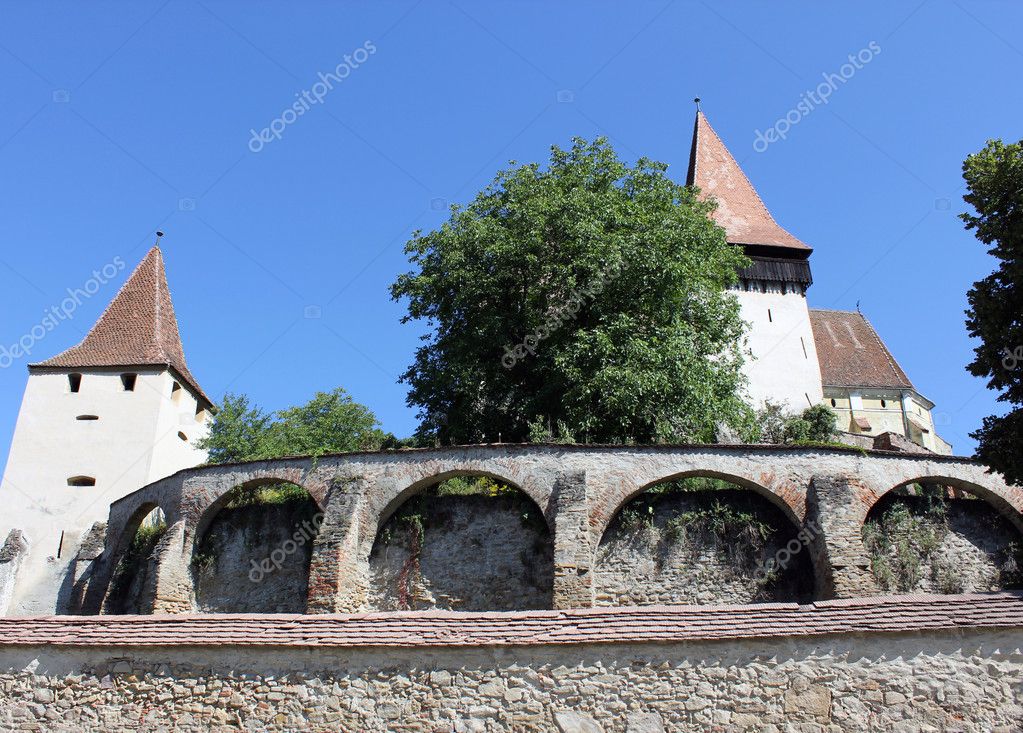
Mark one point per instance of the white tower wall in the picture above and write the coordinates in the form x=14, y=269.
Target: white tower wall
x=784, y=366
x=135, y=441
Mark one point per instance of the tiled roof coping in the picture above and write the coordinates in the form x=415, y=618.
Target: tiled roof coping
x=611, y=625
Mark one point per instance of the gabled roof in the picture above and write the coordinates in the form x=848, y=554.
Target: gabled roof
x=851, y=354
x=138, y=328
x=740, y=210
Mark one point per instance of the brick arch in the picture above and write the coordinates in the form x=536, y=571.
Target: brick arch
x=791, y=502
x=1006, y=500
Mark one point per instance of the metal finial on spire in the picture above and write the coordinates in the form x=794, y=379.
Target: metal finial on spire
x=159, y=236
x=697, y=100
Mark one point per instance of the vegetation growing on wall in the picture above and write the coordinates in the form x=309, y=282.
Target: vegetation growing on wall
x=912, y=537
x=699, y=539
x=133, y=569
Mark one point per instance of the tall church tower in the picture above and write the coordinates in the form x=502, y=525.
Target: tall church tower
x=98, y=421
x=772, y=292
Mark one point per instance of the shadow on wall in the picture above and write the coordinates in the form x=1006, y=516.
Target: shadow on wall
x=469, y=543
x=135, y=575
x=928, y=538
x=701, y=541
x=254, y=555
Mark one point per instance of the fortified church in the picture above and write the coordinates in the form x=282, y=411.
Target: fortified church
x=122, y=409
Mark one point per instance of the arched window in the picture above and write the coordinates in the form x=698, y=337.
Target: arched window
x=81, y=481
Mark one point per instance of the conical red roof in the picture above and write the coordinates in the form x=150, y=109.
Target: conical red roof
x=138, y=328
x=740, y=211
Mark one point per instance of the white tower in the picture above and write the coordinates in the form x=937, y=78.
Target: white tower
x=100, y=420
x=772, y=292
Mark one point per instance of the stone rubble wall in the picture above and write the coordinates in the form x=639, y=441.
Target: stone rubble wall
x=478, y=553
x=970, y=681
x=648, y=564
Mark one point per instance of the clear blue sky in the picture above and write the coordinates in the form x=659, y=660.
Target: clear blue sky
x=119, y=119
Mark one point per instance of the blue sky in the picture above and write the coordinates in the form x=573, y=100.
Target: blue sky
x=120, y=119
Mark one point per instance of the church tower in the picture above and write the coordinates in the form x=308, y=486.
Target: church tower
x=772, y=291
x=98, y=421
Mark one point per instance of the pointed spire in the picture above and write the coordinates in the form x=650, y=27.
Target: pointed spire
x=138, y=328
x=740, y=210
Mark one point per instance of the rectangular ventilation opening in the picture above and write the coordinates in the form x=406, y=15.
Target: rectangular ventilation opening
x=74, y=382
x=128, y=382
x=769, y=318
x=81, y=481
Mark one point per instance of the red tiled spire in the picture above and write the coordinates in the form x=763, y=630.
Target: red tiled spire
x=138, y=328
x=740, y=211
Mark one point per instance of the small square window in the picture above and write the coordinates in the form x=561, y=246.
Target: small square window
x=128, y=382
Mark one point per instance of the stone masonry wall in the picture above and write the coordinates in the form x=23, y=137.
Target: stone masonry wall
x=978, y=550
x=477, y=553
x=971, y=681
x=250, y=562
x=648, y=564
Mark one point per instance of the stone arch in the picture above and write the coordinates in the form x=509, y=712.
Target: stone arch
x=794, y=510
x=995, y=497
x=120, y=553
x=941, y=542
x=198, y=520
x=432, y=479
x=460, y=551
x=665, y=552
x=258, y=561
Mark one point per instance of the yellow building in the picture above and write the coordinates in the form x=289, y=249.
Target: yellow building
x=865, y=386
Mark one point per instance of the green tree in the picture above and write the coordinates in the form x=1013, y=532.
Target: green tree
x=777, y=424
x=589, y=297
x=332, y=422
x=994, y=179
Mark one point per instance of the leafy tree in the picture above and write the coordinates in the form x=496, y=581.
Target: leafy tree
x=238, y=431
x=588, y=297
x=815, y=424
x=994, y=179
x=332, y=422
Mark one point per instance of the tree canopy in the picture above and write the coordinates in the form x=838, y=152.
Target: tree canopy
x=331, y=422
x=994, y=180
x=586, y=299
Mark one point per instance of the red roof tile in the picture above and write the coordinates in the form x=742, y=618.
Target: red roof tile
x=851, y=354
x=740, y=210
x=138, y=328
x=884, y=614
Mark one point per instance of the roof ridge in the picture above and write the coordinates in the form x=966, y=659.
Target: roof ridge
x=897, y=370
